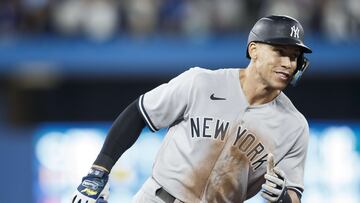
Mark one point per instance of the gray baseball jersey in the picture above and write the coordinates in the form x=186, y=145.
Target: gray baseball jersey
x=216, y=146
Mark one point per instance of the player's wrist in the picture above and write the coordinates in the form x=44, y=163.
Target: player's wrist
x=97, y=173
x=284, y=197
x=101, y=168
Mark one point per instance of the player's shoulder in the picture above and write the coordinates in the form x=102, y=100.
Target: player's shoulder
x=288, y=106
x=202, y=70
x=209, y=73
x=198, y=77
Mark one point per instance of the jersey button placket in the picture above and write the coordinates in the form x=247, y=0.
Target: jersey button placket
x=242, y=119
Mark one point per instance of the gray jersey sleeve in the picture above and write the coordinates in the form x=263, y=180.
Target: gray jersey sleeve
x=168, y=102
x=293, y=163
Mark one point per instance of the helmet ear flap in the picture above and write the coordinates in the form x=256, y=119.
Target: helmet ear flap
x=302, y=64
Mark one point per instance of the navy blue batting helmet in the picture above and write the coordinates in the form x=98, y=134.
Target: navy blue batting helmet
x=278, y=30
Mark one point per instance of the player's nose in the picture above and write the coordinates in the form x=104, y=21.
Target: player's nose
x=286, y=62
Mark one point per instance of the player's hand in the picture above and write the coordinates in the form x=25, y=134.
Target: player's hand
x=94, y=187
x=274, y=188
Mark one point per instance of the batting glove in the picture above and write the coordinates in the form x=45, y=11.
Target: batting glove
x=274, y=188
x=94, y=187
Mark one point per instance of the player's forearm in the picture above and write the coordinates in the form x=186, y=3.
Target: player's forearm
x=122, y=134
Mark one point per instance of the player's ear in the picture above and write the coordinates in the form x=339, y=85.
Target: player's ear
x=252, y=49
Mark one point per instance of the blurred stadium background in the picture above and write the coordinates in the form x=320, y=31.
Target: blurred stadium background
x=69, y=67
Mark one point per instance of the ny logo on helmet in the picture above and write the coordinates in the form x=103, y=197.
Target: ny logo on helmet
x=294, y=31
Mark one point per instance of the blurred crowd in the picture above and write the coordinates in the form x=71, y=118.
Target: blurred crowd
x=103, y=19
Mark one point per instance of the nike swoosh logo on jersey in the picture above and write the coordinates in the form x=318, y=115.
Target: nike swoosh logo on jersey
x=212, y=97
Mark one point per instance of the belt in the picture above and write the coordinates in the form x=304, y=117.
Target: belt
x=165, y=196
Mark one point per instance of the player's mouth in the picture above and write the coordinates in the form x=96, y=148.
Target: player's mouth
x=283, y=75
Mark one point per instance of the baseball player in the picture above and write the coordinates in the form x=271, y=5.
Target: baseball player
x=231, y=132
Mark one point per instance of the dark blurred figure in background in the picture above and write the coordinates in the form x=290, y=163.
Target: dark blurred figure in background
x=25, y=16
x=9, y=16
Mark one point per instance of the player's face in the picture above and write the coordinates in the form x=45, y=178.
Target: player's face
x=276, y=64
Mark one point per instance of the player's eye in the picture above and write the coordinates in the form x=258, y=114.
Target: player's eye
x=278, y=51
x=294, y=57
